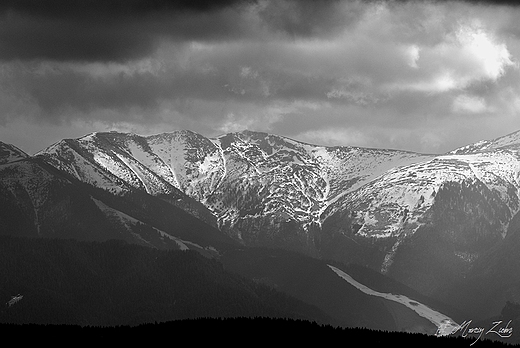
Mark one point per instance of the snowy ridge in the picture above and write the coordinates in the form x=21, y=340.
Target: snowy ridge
x=112, y=162
x=407, y=192
x=506, y=141
x=64, y=157
x=256, y=182
x=395, y=203
x=298, y=180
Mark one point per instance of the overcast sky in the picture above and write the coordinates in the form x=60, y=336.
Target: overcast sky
x=426, y=76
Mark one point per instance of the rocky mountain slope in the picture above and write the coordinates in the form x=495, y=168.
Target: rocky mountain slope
x=38, y=200
x=423, y=219
x=270, y=190
x=10, y=153
x=252, y=182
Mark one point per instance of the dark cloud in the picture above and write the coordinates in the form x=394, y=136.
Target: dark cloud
x=123, y=30
x=113, y=30
x=494, y=2
x=60, y=94
x=309, y=18
x=375, y=73
x=27, y=38
x=440, y=2
x=94, y=10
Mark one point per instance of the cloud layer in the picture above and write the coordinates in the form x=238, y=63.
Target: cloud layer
x=419, y=75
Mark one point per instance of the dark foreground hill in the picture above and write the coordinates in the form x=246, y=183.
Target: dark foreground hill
x=234, y=332
x=55, y=288
x=117, y=283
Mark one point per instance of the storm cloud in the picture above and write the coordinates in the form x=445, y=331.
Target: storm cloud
x=105, y=30
x=402, y=74
x=122, y=30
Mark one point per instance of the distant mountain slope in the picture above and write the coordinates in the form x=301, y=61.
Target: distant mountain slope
x=116, y=283
x=423, y=219
x=38, y=200
x=269, y=190
x=252, y=182
x=106, y=160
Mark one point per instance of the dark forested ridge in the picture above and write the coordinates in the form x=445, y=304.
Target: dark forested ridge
x=235, y=332
x=116, y=283
x=119, y=292
x=66, y=281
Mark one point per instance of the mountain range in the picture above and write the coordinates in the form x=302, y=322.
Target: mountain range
x=445, y=225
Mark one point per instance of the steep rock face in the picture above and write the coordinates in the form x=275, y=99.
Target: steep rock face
x=278, y=191
x=272, y=192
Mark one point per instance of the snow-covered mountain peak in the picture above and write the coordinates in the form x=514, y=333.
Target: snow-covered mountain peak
x=174, y=134
x=266, y=142
x=395, y=211
x=264, y=188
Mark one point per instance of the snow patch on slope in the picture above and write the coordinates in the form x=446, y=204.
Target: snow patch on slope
x=130, y=222
x=152, y=162
x=67, y=159
x=445, y=325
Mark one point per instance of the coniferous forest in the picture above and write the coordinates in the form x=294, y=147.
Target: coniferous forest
x=234, y=332
x=115, y=283
x=120, y=292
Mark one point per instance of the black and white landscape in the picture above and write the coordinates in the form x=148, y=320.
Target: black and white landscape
x=345, y=168
x=357, y=237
